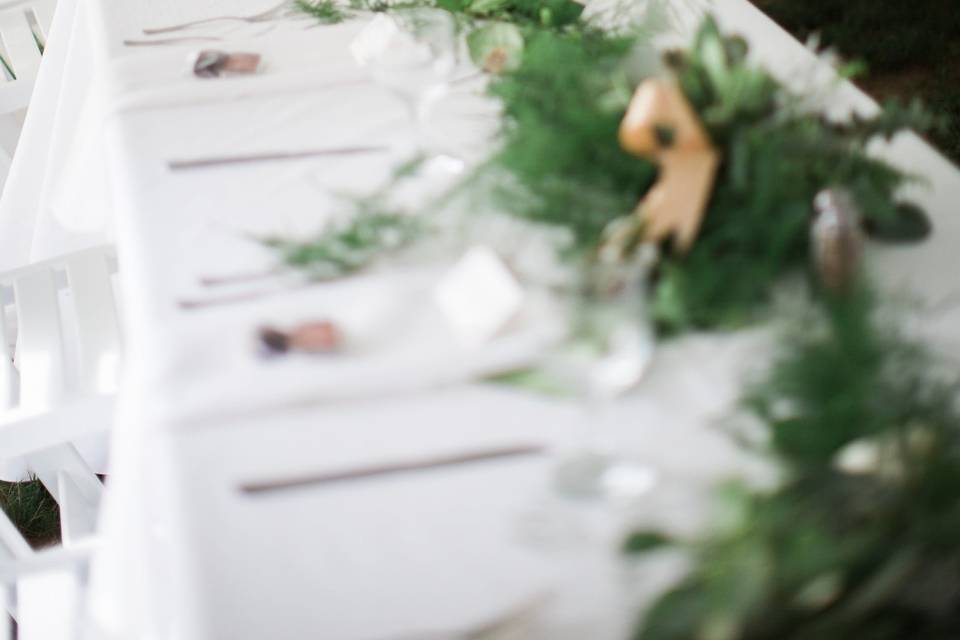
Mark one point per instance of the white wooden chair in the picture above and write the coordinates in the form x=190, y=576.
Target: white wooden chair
x=42, y=590
x=24, y=27
x=58, y=373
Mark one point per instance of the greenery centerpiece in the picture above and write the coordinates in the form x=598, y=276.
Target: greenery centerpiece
x=560, y=162
x=776, y=156
x=858, y=540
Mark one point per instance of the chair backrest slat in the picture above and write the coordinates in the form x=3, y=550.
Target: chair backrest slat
x=78, y=515
x=48, y=466
x=43, y=9
x=39, y=342
x=88, y=275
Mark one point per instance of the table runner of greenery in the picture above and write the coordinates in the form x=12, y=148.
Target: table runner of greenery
x=859, y=537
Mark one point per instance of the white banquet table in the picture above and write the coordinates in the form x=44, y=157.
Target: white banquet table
x=186, y=553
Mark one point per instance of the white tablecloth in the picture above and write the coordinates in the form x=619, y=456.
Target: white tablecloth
x=186, y=555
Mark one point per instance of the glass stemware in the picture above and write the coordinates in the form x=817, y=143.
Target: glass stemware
x=416, y=63
x=614, y=346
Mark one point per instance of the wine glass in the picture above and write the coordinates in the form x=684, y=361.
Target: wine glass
x=613, y=345
x=416, y=61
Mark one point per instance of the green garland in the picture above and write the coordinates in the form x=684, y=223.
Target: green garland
x=537, y=13
x=560, y=145
x=348, y=247
x=563, y=107
x=834, y=552
x=324, y=11
x=841, y=549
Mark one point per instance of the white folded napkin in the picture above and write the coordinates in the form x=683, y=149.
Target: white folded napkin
x=397, y=340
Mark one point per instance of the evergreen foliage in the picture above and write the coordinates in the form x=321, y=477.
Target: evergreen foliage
x=345, y=248
x=839, y=550
x=563, y=107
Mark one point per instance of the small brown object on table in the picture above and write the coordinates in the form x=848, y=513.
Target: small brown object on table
x=321, y=336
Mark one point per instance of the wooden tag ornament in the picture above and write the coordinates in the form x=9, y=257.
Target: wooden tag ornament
x=661, y=125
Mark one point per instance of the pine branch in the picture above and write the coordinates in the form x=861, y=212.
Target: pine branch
x=347, y=248
x=325, y=11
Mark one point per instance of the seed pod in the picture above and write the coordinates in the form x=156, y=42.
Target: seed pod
x=213, y=64
x=274, y=340
x=320, y=336
x=835, y=238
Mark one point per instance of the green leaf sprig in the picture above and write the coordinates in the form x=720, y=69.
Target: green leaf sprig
x=343, y=249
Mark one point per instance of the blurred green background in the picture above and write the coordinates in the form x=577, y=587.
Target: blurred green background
x=911, y=48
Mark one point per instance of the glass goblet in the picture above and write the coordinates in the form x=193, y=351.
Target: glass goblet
x=615, y=344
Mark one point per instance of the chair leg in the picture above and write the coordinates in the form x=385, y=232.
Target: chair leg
x=49, y=605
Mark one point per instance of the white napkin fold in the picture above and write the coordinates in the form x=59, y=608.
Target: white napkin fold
x=397, y=341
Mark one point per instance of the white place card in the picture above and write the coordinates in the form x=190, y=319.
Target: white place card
x=374, y=39
x=478, y=296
